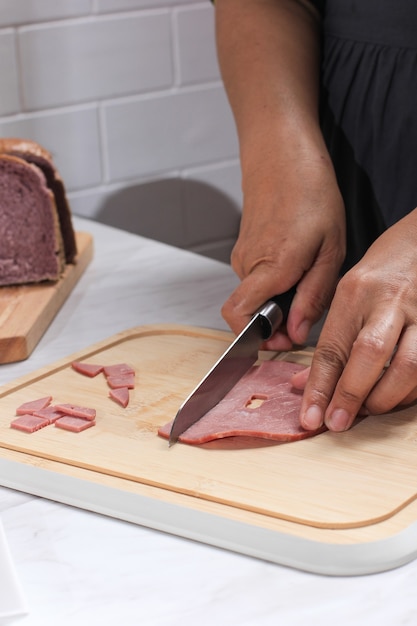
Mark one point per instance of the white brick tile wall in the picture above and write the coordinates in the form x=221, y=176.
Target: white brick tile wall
x=122, y=5
x=97, y=59
x=71, y=136
x=158, y=207
x=88, y=202
x=9, y=94
x=181, y=129
x=197, y=62
x=13, y=12
x=127, y=96
x=218, y=205
x=223, y=176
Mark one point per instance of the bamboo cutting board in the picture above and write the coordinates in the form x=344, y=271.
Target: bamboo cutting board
x=313, y=504
x=27, y=310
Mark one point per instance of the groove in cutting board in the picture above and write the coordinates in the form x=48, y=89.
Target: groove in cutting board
x=27, y=310
x=333, y=480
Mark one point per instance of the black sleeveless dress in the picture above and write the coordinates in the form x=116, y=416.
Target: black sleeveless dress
x=369, y=111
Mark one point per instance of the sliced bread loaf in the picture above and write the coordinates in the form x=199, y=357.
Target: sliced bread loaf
x=36, y=233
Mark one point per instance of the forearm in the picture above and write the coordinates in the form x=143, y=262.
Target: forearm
x=269, y=54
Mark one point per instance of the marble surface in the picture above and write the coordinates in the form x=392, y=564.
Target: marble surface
x=77, y=567
x=12, y=601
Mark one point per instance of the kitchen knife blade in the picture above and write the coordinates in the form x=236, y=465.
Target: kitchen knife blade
x=231, y=366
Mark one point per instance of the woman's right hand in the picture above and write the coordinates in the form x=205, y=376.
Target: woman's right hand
x=292, y=232
x=293, y=222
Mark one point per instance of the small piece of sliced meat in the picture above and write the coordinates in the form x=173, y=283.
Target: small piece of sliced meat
x=76, y=411
x=74, y=424
x=262, y=404
x=88, y=369
x=33, y=405
x=117, y=382
x=29, y=423
x=50, y=412
x=120, y=395
x=118, y=376
x=119, y=369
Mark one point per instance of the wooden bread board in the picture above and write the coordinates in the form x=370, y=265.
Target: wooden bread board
x=27, y=310
x=336, y=503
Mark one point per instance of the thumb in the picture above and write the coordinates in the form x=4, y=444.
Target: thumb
x=255, y=289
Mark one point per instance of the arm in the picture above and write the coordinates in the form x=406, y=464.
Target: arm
x=269, y=56
x=292, y=228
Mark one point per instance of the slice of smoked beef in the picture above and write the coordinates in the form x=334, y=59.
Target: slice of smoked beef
x=119, y=370
x=118, y=376
x=120, y=395
x=88, y=369
x=74, y=424
x=33, y=405
x=262, y=404
x=76, y=411
x=117, y=382
x=50, y=412
x=29, y=423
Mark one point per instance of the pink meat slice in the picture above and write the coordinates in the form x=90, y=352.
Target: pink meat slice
x=120, y=395
x=29, y=423
x=88, y=369
x=76, y=411
x=74, y=424
x=118, y=370
x=33, y=405
x=50, y=413
x=117, y=382
x=262, y=404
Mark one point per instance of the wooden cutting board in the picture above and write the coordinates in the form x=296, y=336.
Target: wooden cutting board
x=27, y=310
x=334, y=492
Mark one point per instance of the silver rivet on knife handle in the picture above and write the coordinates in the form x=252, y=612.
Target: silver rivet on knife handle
x=275, y=312
x=271, y=318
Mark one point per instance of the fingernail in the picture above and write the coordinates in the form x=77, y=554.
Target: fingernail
x=312, y=418
x=303, y=331
x=338, y=421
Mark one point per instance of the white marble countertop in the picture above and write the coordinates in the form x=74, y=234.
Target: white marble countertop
x=77, y=567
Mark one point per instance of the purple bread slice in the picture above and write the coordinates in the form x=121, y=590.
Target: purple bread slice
x=31, y=246
x=32, y=152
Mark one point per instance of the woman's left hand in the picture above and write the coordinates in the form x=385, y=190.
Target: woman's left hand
x=372, y=321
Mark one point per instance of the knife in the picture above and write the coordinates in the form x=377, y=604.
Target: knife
x=236, y=361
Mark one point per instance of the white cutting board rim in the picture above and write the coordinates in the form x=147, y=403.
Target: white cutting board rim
x=318, y=555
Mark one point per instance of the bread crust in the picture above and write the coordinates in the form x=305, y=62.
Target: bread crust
x=20, y=183
x=33, y=153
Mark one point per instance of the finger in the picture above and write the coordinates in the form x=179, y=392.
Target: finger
x=369, y=354
x=326, y=367
x=398, y=383
x=409, y=399
x=299, y=380
x=330, y=390
x=329, y=359
x=279, y=341
x=250, y=295
x=314, y=294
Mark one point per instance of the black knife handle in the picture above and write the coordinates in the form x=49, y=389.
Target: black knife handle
x=275, y=312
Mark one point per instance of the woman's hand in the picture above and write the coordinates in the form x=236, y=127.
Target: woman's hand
x=372, y=321
x=292, y=232
x=293, y=222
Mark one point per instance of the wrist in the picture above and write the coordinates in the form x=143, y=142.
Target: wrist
x=282, y=146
